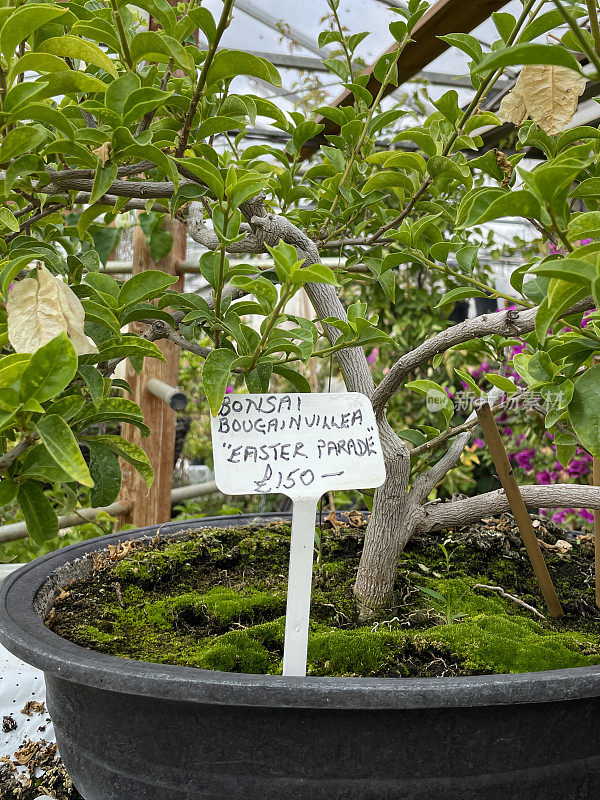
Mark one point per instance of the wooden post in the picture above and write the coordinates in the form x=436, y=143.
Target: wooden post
x=518, y=508
x=154, y=508
x=596, y=482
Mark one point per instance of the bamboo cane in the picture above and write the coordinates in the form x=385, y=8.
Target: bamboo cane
x=518, y=508
x=596, y=481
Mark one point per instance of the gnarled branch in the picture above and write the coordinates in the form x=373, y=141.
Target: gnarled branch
x=438, y=516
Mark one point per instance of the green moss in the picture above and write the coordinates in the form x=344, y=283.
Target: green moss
x=216, y=601
x=515, y=644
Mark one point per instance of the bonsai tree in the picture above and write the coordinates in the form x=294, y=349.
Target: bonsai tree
x=101, y=117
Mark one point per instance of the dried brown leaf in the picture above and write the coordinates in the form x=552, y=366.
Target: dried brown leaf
x=547, y=93
x=103, y=153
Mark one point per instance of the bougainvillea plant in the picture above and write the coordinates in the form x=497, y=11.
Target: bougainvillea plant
x=100, y=116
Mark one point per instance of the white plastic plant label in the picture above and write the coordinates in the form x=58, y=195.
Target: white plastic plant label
x=300, y=445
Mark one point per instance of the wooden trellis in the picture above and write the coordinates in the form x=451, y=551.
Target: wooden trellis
x=155, y=507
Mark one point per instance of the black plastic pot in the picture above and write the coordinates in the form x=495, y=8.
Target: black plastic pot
x=129, y=730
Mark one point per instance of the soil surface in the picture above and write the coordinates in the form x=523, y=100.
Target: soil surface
x=466, y=603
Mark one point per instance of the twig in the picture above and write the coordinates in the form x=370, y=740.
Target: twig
x=9, y=458
x=512, y=597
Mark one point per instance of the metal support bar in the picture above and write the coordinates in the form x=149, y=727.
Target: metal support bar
x=275, y=24
x=18, y=530
x=171, y=395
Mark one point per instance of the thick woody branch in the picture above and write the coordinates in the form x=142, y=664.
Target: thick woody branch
x=438, y=516
x=140, y=189
x=505, y=323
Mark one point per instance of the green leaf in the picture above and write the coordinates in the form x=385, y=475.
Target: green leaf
x=501, y=382
x=566, y=447
x=103, y=180
x=529, y=54
x=18, y=141
x=468, y=44
x=94, y=312
x=314, y=273
x=39, y=464
x=67, y=407
x=94, y=381
x=106, y=473
x=118, y=91
x=298, y=381
x=8, y=491
x=50, y=369
x=40, y=518
x=39, y=112
x=387, y=179
x=546, y=22
x=70, y=81
x=154, y=46
x=461, y=293
x=63, y=448
x=7, y=218
x=74, y=47
x=584, y=410
x=130, y=452
x=12, y=368
x=468, y=379
x=127, y=347
x=230, y=63
x=571, y=270
x=141, y=101
x=24, y=22
x=490, y=204
x=215, y=376
x=207, y=173
x=203, y=19
x=214, y=125
x=259, y=378
x=145, y=286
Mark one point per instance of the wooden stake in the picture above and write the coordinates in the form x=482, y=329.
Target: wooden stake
x=518, y=508
x=160, y=445
x=596, y=481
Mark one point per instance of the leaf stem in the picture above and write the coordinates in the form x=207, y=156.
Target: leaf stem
x=210, y=54
x=122, y=35
x=594, y=25
x=585, y=48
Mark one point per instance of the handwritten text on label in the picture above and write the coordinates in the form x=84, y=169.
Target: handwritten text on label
x=300, y=445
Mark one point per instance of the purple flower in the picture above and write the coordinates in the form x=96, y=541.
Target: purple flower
x=586, y=514
x=229, y=390
x=478, y=444
x=507, y=431
x=578, y=467
x=544, y=477
x=373, y=355
x=524, y=459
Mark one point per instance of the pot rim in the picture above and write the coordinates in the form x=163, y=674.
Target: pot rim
x=25, y=634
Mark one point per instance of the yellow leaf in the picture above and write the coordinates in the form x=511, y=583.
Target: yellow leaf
x=41, y=308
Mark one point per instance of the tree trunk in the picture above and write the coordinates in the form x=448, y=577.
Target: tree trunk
x=393, y=521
